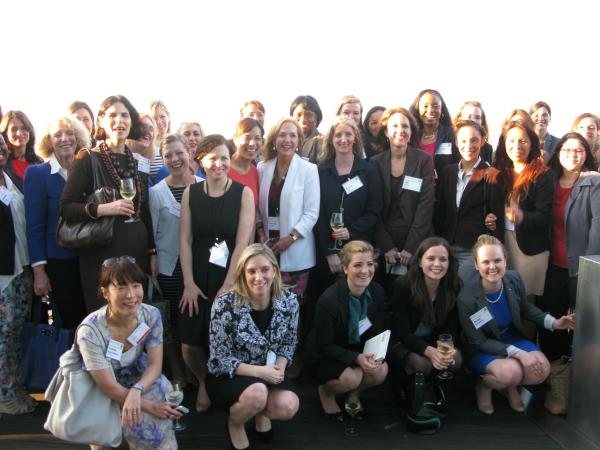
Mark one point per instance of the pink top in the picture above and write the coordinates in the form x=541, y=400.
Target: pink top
x=249, y=179
x=19, y=167
x=558, y=245
x=429, y=148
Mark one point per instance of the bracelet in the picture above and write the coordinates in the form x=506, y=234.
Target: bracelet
x=152, y=251
x=88, y=212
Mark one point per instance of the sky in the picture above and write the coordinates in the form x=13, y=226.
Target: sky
x=203, y=59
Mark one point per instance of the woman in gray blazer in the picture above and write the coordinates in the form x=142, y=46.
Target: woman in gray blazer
x=490, y=309
x=574, y=232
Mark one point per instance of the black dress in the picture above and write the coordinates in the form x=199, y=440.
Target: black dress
x=214, y=219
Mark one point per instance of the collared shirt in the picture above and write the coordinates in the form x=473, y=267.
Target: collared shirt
x=55, y=167
x=463, y=179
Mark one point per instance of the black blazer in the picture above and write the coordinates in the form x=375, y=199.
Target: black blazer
x=7, y=243
x=416, y=221
x=408, y=316
x=445, y=135
x=330, y=333
x=533, y=234
x=483, y=194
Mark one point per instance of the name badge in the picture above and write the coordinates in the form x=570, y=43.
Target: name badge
x=143, y=164
x=114, y=350
x=175, y=210
x=412, y=183
x=271, y=358
x=444, y=149
x=364, y=325
x=481, y=317
x=352, y=184
x=219, y=254
x=6, y=196
x=273, y=223
x=139, y=334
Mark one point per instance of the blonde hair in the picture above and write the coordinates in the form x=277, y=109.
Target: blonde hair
x=240, y=286
x=354, y=247
x=269, y=151
x=328, y=151
x=82, y=135
x=487, y=239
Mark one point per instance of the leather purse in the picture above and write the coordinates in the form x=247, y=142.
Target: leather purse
x=79, y=411
x=91, y=233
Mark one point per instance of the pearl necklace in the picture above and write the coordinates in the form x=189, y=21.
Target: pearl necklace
x=497, y=298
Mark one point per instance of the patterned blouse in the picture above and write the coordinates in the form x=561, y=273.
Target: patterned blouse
x=235, y=338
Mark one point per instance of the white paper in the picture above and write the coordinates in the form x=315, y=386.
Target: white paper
x=444, y=149
x=412, y=183
x=378, y=345
x=219, y=254
x=481, y=317
x=352, y=184
x=396, y=269
x=271, y=358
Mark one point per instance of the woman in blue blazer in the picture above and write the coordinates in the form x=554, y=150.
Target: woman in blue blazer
x=55, y=270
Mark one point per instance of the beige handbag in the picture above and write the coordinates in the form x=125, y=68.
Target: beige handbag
x=560, y=382
x=79, y=411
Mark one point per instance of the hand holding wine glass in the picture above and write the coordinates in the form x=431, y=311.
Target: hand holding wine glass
x=445, y=347
x=175, y=397
x=336, y=222
x=127, y=190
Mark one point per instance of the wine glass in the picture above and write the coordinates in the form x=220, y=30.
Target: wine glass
x=336, y=222
x=176, y=397
x=445, y=346
x=128, y=191
x=352, y=407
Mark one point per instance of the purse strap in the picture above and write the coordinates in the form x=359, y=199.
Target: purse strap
x=37, y=314
x=152, y=286
x=99, y=336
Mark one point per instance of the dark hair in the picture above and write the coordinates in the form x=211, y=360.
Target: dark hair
x=445, y=297
x=121, y=272
x=308, y=102
x=470, y=123
x=256, y=103
x=382, y=140
x=134, y=131
x=445, y=118
x=538, y=105
x=246, y=125
x=474, y=104
x=208, y=143
x=554, y=163
x=30, y=155
x=372, y=111
x=76, y=105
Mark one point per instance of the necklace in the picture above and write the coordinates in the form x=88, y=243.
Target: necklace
x=429, y=136
x=497, y=298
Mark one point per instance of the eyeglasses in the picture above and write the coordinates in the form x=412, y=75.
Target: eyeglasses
x=111, y=262
x=571, y=151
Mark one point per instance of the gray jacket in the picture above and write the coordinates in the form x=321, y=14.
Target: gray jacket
x=487, y=338
x=582, y=220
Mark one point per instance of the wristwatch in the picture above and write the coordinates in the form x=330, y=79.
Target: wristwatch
x=139, y=387
x=294, y=237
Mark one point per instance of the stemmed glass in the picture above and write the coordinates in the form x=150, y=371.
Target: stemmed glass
x=176, y=397
x=352, y=407
x=128, y=191
x=336, y=222
x=445, y=347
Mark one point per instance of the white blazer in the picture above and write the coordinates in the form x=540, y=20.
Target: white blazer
x=298, y=209
x=165, y=223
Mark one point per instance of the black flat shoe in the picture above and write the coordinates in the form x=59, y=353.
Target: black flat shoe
x=264, y=436
x=248, y=447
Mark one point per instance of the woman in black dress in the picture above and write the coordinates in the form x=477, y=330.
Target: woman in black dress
x=217, y=220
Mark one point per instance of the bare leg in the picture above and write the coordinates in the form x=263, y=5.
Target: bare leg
x=195, y=358
x=349, y=380
x=175, y=362
x=251, y=402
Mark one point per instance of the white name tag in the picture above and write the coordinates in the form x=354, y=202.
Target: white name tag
x=143, y=164
x=6, y=196
x=219, y=254
x=139, y=334
x=352, y=184
x=444, y=149
x=364, y=325
x=481, y=317
x=273, y=223
x=175, y=209
x=114, y=350
x=271, y=358
x=412, y=183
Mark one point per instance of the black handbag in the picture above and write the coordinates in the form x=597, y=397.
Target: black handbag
x=91, y=233
x=428, y=406
x=42, y=344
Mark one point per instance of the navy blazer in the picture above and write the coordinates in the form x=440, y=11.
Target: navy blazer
x=362, y=207
x=42, y=197
x=487, y=338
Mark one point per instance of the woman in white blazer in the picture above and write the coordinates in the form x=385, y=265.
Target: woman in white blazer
x=288, y=203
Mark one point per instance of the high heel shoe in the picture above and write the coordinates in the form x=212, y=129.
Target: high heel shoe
x=485, y=407
x=233, y=447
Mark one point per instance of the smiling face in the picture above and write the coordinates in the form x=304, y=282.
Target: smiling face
x=18, y=135
x=248, y=144
x=518, y=145
x=435, y=263
x=177, y=158
x=352, y=111
x=306, y=118
x=286, y=142
x=84, y=117
x=116, y=122
x=588, y=129
x=147, y=132
x=541, y=119
x=193, y=133
x=374, y=124
x=398, y=131
x=572, y=155
x=343, y=139
x=359, y=272
x=430, y=109
x=491, y=264
x=161, y=117
x=258, y=275
x=64, y=142
x=469, y=142
x=216, y=164
x=124, y=299
x=253, y=111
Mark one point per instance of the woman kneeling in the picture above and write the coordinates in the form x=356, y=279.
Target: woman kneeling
x=252, y=339
x=491, y=308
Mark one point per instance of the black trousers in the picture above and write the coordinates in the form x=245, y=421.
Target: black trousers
x=66, y=290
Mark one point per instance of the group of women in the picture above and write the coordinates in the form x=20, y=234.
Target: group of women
x=237, y=310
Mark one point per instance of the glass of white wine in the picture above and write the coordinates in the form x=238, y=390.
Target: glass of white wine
x=128, y=191
x=352, y=407
x=336, y=222
x=175, y=397
x=445, y=346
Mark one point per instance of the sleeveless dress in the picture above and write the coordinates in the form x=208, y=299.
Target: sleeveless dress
x=214, y=219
